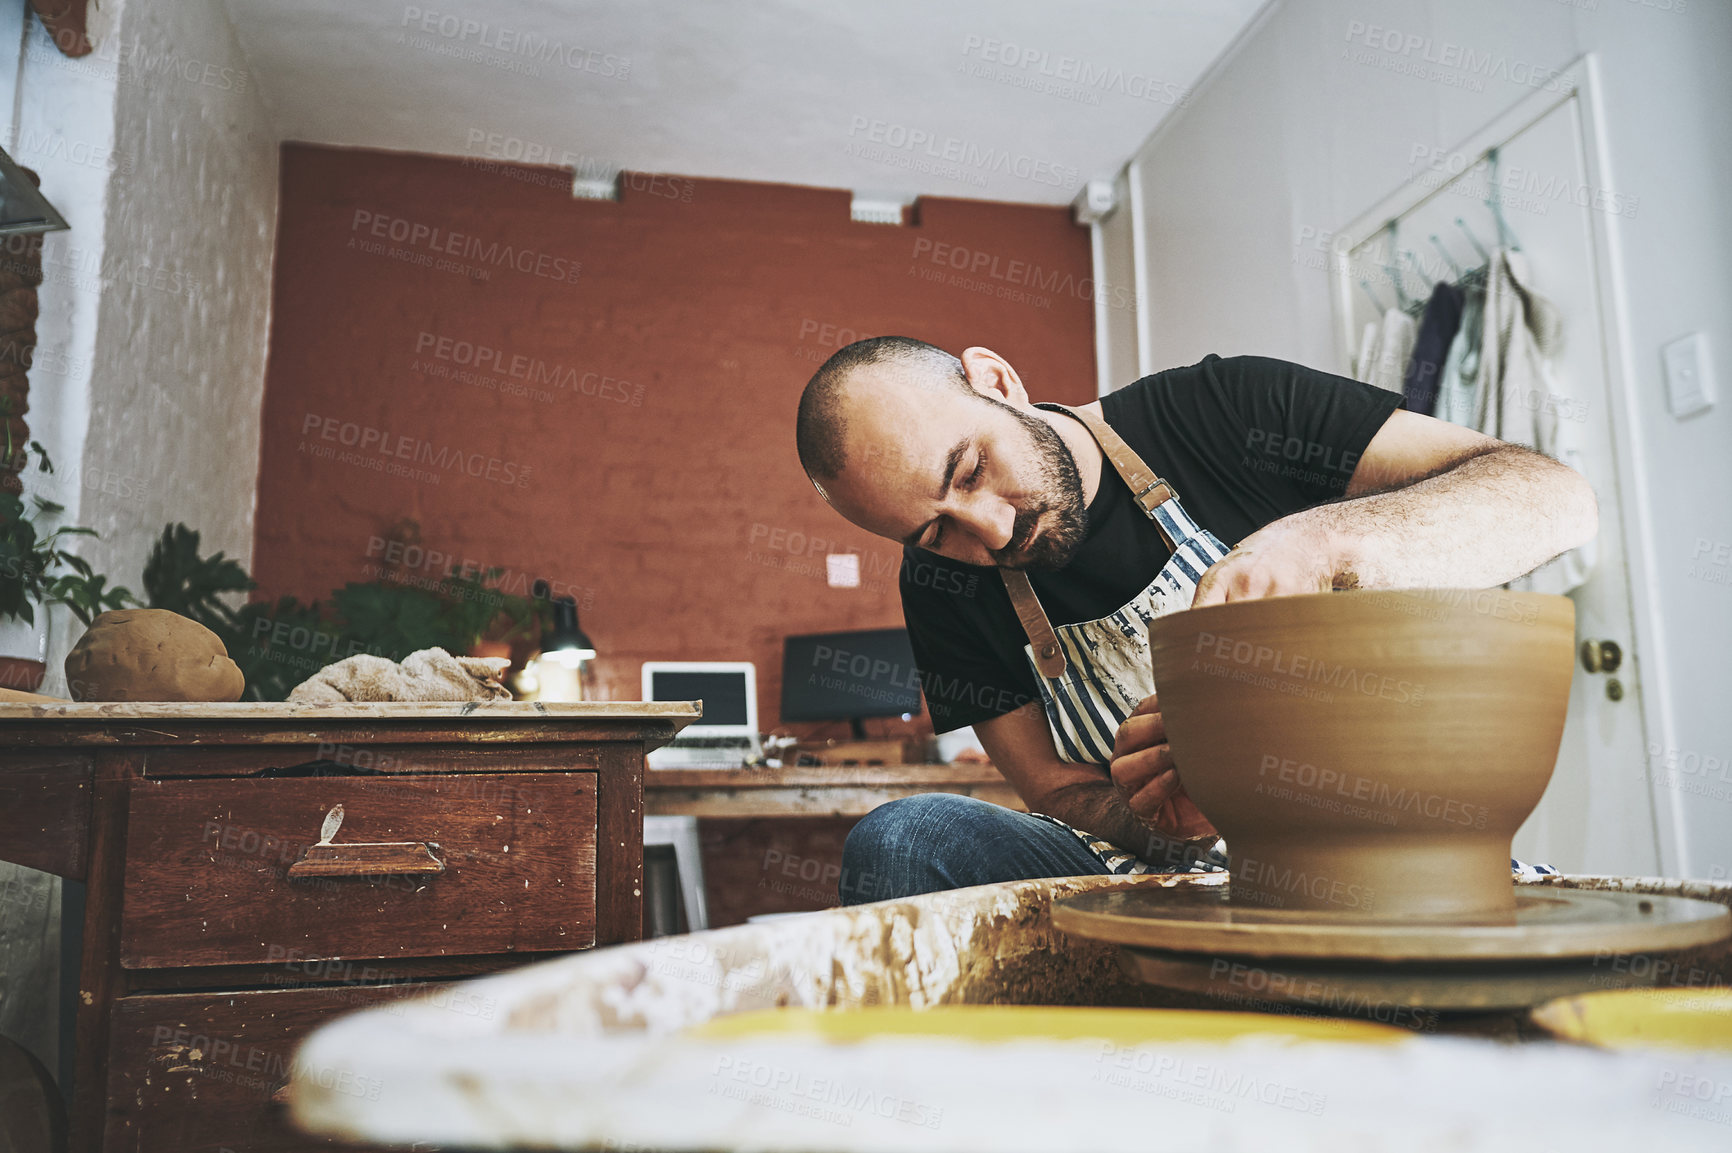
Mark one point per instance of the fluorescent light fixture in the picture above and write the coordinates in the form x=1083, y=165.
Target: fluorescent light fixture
x=881, y=207
x=591, y=188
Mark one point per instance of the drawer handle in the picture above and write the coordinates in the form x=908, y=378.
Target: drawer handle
x=363, y=858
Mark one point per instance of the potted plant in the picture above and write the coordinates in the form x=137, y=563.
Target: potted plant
x=280, y=643
x=464, y=611
x=178, y=578
x=36, y=571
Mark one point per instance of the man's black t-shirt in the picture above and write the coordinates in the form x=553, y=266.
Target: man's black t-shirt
x=1243, y=442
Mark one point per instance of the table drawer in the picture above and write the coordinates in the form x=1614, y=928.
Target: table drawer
x=207, y=866
x=205, y=1072
x=45, y=809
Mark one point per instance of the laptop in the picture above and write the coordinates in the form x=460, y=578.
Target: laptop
x=727, y=735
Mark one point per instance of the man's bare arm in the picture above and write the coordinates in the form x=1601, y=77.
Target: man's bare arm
x=1430, y=504
x=1080, y=795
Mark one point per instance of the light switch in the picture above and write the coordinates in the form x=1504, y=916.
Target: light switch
x=843, y=570
x=1689, y=375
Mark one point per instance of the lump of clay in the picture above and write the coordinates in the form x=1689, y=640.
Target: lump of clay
x=151, y=655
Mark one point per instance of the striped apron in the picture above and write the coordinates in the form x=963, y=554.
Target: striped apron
x=1094, y=673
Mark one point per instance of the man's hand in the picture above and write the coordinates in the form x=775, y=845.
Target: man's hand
x=1429, y=504
x=1292, y=556
x=1081, y=795
x=1143, y=770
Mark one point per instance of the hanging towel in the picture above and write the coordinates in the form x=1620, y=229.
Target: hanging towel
x=1456, y=399
x=1517, y=398
x=1394, y=347
x=1367, y=352
x=1437, y=331
x=1516, y=401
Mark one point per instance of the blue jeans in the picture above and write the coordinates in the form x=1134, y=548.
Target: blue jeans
x=941, y=841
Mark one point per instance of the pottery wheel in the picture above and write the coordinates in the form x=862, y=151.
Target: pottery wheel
x=1548, y=923
x=1189, y=938
x=1376, y=991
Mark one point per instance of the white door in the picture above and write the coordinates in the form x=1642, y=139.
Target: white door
x=1597, y=815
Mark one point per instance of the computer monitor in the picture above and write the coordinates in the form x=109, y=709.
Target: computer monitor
x=849, y=676
x=729, y=690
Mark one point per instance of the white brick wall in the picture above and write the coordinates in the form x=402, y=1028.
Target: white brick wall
x=151, y=341
x=181, y=333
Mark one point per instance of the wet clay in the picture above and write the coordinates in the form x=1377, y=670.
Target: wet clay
x=151, y=655
x=1369, y=754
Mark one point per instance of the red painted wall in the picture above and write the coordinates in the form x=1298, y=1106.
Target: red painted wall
x=603, y=394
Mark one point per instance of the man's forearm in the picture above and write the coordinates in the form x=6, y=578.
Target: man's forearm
x=1487, y=520
x=1100, y=809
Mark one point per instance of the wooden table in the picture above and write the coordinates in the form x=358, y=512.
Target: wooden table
x=470, y=837
x=815, y=791
x=772, y=839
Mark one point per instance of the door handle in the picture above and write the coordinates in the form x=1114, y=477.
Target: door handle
x=1601, y=656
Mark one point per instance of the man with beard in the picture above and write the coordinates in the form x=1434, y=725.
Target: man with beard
x=1292, y=481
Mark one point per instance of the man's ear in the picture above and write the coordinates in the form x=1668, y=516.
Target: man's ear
x=992, y=375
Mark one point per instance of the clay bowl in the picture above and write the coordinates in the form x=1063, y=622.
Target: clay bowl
x=1369, y=754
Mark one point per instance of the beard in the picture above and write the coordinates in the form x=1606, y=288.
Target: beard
x=1059, y=502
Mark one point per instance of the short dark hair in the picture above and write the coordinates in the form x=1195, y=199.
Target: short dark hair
x=821, y=431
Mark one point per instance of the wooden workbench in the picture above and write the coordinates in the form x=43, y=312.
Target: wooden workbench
x=815, y=791
x=204, y=961
x=772, y=839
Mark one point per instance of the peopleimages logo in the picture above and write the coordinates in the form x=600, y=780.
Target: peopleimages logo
x=528, y=369
x=39, y=147
x=1384, y=797
x=1446, y=60
x=862, y=675
x=1521, y=187
x=381, y=442
x=954, y=150
x=1258, y=880
x=1223, y=1084
x=993, y=266
x=1085, y=75
x=1289, y=672
x=1274, y=442
x=85, y=269
x=134, y=63
x=461, y=32
x=821, y=1098
x=442, y=242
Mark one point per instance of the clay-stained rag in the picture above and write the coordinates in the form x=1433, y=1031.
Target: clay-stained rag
x=428, y=675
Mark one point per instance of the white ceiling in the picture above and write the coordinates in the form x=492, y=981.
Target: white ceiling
x=823, y=93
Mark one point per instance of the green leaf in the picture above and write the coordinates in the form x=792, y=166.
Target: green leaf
x=391, y=620
x=280, y=644
x=178, y=579
x=86, y=594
